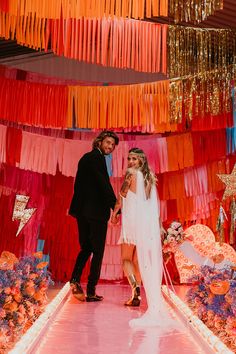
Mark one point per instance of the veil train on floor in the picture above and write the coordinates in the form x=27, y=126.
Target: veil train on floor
x=149, y=252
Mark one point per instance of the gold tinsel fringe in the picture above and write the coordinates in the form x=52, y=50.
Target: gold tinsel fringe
x=203, y=95
x=220, y=237
x=196, y=50
x=193, y=10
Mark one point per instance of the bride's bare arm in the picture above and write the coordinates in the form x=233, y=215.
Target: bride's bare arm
x=126, y=184
x=123, y=192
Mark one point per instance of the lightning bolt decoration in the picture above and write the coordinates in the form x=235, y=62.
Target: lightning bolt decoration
x=20, y=212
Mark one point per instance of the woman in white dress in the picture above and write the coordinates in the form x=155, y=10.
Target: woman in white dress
x=140, y=232
x=127, y=202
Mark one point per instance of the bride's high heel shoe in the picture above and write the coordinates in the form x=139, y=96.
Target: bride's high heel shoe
x=135, y=299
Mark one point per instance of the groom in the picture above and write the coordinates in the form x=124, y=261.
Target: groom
x=91, y=204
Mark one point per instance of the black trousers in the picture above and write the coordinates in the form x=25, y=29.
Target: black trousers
x=92, y=237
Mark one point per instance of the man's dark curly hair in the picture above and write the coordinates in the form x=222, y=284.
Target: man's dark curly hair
x=104, y=134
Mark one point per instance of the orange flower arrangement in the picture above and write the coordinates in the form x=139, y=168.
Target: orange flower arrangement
x=23, y=286
x=213, y=299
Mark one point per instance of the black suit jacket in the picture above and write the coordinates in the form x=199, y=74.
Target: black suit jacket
x=93, y=194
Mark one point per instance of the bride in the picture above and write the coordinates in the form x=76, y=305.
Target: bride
x=140, y=230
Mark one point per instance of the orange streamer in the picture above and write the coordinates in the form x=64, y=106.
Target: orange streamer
x=45, y=9
x=129, y=106
x=113, y=42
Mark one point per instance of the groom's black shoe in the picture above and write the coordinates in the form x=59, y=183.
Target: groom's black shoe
x=93, y=298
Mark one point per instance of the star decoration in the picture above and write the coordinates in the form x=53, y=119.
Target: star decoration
x=230, y=182
x=20, y=212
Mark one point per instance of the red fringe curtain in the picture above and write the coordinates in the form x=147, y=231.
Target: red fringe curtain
x=208, y=146
x=34, y=104
x=4, y=5
x=13, y=146
x=219, y=121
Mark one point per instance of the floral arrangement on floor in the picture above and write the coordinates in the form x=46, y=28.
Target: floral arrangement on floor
x=213, y=299
x=171, y=239
x=23, y=285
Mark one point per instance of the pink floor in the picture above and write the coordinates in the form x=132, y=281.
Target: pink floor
x=102, y=328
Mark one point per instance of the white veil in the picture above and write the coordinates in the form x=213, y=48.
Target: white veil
x=149, y=252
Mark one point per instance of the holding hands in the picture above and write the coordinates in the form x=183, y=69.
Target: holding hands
x=115, y=218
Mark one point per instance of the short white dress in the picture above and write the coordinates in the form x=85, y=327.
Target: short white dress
x=128, y=219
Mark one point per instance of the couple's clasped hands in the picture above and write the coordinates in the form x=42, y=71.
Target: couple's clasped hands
x=115, y=218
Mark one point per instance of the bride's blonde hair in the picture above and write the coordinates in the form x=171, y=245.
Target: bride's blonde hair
x=149, y=176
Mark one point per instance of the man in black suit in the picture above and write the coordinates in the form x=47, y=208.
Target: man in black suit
x=91, y=204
